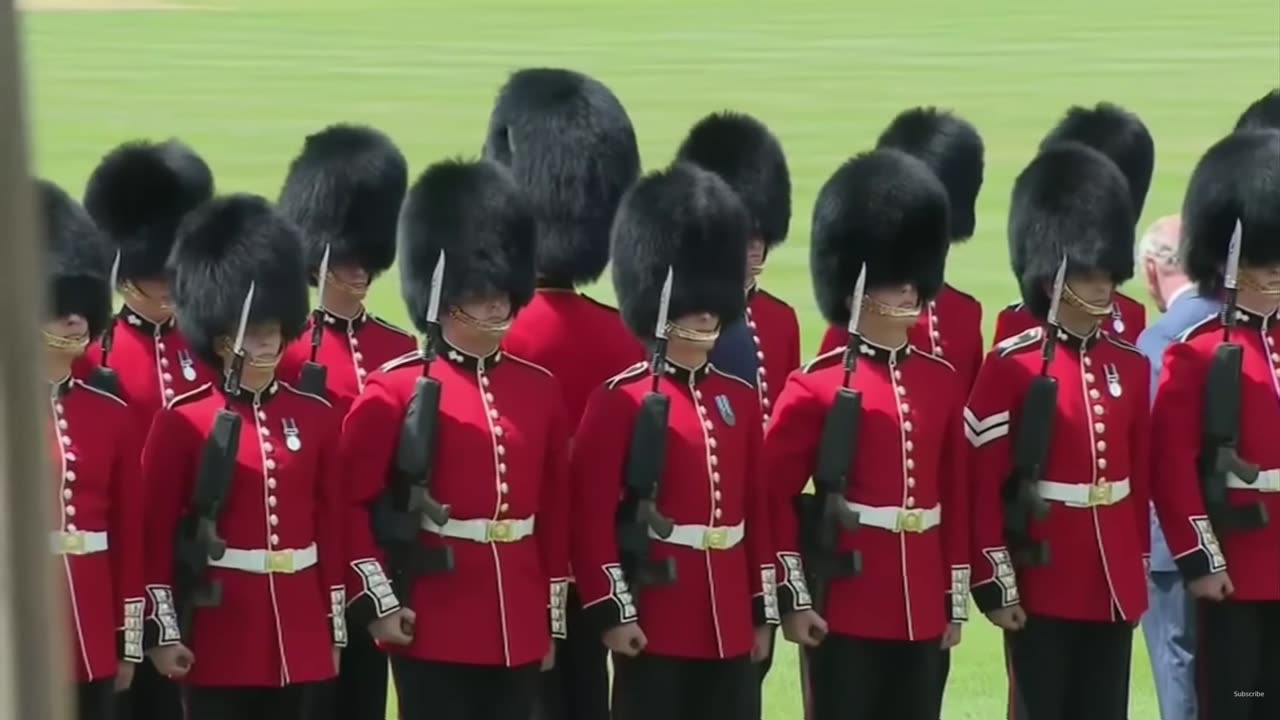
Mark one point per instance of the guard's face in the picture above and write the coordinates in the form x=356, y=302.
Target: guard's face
x=1263, y=279
x=68, y=334
x=263, y=343
x=489, y=309
x=695, y=330
x=756, y=253
x=898, y=297
x=152, y=295
x=1095, y=288
x=351, y=279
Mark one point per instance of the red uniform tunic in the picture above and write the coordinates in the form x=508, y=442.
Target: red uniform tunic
x=502, y=465
x=581, y=341
x=98, y=531
x=1252, y=557
x=949, y=327
x=776, y=333
x=277, y=623
x=908, y=461
x=711, y=487
x=1127, y=321
x=153, y=362
x=1097, y=460
x=350, y=349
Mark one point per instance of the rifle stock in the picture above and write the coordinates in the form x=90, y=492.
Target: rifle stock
x=314, y=379
x=638, y=514
x=198, y=539
x=106, y=380
x=1219, y=456
x=1022, y=501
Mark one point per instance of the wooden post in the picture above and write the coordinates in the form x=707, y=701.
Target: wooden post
x=33, y=646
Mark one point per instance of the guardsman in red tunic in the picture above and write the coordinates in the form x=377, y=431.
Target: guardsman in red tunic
x=876, y=650
x=567, y=140
x=469, y=641
x=1229, y=560
x=261, y=620
x=1068, y=475
x=1125, y=140
x=950, y=324
x=97, y=534
x=684, y=646
x=344, y=191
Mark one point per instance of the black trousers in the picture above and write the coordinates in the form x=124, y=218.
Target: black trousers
x=655, y=687
x=430, y=690
x=360, y=690
x=862, y=679
x=96, y=700
x=577, y=688
x=944, y=671
x=1238, y=663
x=151, y=696
x=250, y=703
x=1070, y=669
x=764, y=667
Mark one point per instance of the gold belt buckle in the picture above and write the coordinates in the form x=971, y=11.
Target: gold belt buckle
x=72, y=543
x=911, y=521
x=716, y=539
x=500, y=531
x=1100, y=494
x=280, y=561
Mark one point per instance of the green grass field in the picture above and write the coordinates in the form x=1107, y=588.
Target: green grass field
x=244, y=81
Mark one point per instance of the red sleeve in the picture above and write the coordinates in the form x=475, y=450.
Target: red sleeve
x=1175, y=487
x=1139, y=463
x=989, y=417
x=790, y=454
x=954, y=490
x=554, y=514
x=128, y=541
x=596, y=467
x=169, y=460
x=330, y=513
x=295, y=354
x=367, y=447
x=759, y=536
x=833, y=338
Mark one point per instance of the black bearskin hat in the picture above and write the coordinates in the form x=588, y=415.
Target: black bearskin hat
x=223, y=247
x=1238, y=179
x=139, y=194
x=1073, y=201
x=570, y=146
x=1118, y=134
x=953, y=150
x=344, y=191
x=475, y=213
x=747, y=156
x=887, y=210
x=1264, y=113
x=689, y=220
x=79, y=259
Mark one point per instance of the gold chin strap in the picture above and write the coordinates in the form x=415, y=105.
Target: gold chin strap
x=691, y=335
x=74, y=344
x=268, y=362
x=1080, y=303
x=876, y=307
x=493, y=328
x=1246, y=281
x=359, y=291
x=135, y=293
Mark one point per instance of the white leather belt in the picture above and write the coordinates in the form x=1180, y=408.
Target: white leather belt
x=483, y=531
x=265, y=562
x=1268, y=482
x=77, y=542
x=898, y=519
x=703, y=537
x=1082, y=495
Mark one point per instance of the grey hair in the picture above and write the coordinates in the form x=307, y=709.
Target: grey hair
x=1160, y=243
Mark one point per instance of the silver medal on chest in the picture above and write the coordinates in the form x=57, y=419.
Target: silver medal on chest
x=726, y=410
x=188, y=366
x=292, y=439
x=1117, y=322
x=1113, y=381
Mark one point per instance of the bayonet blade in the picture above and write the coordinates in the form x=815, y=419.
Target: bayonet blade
x=664, y=305
x=1231, y=276
x=323, y=275
x=855, y=300
x=1059, y=284
x=437, y=285
x=238, y=348
x=115, y=272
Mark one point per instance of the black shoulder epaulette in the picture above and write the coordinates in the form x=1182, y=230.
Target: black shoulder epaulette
x=1023, y=340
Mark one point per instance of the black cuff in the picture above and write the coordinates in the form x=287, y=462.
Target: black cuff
x=988, y=596
x=606, y=615
x=764, y=610
x=1195, y=565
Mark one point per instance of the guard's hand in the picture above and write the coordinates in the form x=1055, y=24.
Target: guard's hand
x=804, y=627
x=626, y=639
x=763, y=644
x=951, y=636
x=337, y=659
x=124, y=675
x=549, y=660
x=1214, y=587
x=394, y=629
x=1009, y=618
x=172, y=661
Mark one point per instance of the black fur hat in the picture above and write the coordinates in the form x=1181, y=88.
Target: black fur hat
x=887, y=210
x=689, y=220
x=139, y=194
x=1073, y=201
x=570, y=146
x=475, y=213
x=1262, y=114
x=344, y=191
x=1118, y=134
x=747, y=156
x=1238, y=179
x=79, y=259
x=222, y=248
x=953, y=150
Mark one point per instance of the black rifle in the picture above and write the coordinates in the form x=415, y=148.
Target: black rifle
x=1021, y=494
x=103, y=377
x=314, y=378
x=638, y=511
x=1220, y=434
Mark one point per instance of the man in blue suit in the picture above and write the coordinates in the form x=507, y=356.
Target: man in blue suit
x=1169, y=623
